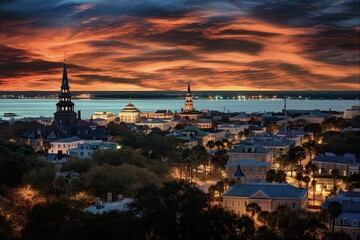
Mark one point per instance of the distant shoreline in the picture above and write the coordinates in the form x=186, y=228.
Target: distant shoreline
x=218, y=95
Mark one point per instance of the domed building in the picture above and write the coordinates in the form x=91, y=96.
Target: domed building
x=129, y=114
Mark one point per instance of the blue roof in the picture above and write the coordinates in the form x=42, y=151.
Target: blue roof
x=271, y=190
x=246, y=162
x=238, y=172
x=70, y=139
x=253, y=148
x=334, y=159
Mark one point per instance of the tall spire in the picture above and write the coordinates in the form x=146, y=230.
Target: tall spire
x=65, y=114
x=189, y=107
x=65, y=80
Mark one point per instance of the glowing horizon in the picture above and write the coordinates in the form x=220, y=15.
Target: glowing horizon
x=155, y=45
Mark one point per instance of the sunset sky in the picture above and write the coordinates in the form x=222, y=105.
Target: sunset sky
x=162, y=44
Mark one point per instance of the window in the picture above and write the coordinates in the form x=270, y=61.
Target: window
x=354, y=223
x=345, y=222
x=245, y=203
x=232, y=203
x=354, y=235
x=294, y=205
x=81, y=153
x=239, y=203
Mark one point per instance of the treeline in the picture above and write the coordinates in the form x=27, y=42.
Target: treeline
x=174, y=210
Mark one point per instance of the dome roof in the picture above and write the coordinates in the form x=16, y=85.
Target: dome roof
x=130, y=108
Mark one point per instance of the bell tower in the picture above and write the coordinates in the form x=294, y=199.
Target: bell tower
x=189, y=106
x=65, y=114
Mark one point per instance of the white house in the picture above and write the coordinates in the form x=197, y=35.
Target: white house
x=87, y=148
x=62, y=146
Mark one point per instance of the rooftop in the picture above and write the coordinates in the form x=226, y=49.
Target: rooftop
x=120, y=206
x=245, y=162
x=268, y=190
x=66, y=140
x=130, y=108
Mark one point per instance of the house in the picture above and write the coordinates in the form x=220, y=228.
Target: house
x=155, y=123
x=295, y=135
x=353, y=112
x=313, y=118
x=203, y=123
x=243, y=117
x=62, y=146
x=191, y=133
x=269, y=196
x=233, y=128
x=326, y=163
x=121, y=205
x=251, y=152
x=257, y=129
x=216, y=134
x=349, y=220
x=108, y=116
x=87, y=148
x=346, y=164
x=254, y=170
x=158, y=114
x=277, y=145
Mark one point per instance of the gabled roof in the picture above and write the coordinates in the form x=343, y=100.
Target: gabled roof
x=272, y=190
x=260, y=195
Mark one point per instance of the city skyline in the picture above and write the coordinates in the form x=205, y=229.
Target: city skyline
x=157, y=45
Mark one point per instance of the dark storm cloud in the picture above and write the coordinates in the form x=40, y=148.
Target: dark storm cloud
x=247, y=32
x=92, y=78
x=18, y=62
x=332, y=38
x=307, y=13
x=204, y=43
x=336, y=57
x=161, y=55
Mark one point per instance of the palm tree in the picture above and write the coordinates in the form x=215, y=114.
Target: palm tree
x=334, y=209
x=311, y=168
x=219, y=144
x=283, y=160
x=335, y=174
x=210, y=144
x=306, y=180
x=299, y=178
x=310, y=147
x=297, y=154
x=253, y=208
x=313, y=184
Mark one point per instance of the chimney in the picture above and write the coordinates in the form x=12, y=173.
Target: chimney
x=97, y=203
x=109, y=197
x=79, y=114
x=120, y=197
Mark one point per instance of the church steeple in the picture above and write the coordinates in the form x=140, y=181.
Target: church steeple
x=239, y=175
x=189, y=106
x=65, y=80
x=65, y=114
